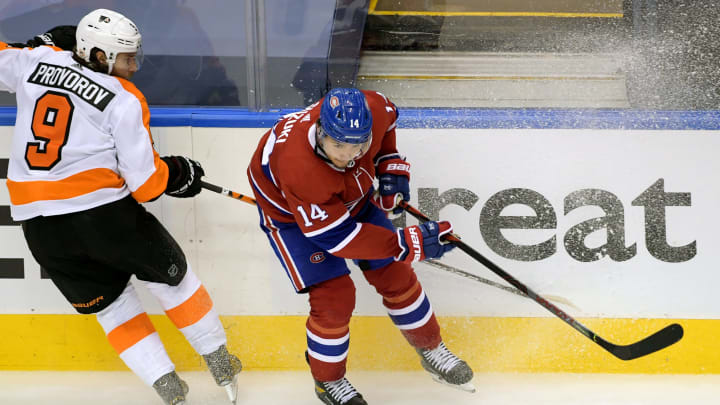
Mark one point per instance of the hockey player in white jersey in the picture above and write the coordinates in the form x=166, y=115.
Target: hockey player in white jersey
x=82, y=161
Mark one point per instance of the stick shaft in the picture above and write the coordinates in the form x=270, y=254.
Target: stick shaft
x=227, y=192
x=475, y=277
x=454, y=270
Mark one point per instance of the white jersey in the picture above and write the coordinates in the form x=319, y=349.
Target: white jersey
x=82, y=138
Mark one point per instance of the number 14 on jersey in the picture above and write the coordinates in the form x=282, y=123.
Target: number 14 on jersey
x=315, y=213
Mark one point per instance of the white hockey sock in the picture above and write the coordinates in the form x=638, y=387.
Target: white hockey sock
x=189, y=307
x=134, y=338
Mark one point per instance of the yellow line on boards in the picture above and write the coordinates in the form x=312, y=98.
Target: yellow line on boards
x=488, y=344
x=431, y=77
x=373, y=4
x=496, y=14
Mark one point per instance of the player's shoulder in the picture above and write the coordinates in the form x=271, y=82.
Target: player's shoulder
x=376, y=98
x=45, y=50
x=128, y=93
x=292, y=131
x=31, y=56
x=380, y=104
x=127, y=86
x=384, y=111
x=304, y=117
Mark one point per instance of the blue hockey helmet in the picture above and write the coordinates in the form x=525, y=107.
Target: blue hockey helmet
x=345, y=116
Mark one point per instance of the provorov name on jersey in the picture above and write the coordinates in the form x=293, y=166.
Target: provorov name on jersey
x=61, y=77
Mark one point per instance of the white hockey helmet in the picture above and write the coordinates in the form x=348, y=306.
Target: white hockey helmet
x=109, y=31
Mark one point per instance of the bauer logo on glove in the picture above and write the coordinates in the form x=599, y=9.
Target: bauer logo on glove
x=420, y=242
x=394, y=178
x=401, y=167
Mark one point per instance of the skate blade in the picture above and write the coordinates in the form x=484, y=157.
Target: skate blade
x=232, y=390
x=467, y=387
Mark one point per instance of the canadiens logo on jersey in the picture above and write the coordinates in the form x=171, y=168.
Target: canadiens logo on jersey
x=62, y=77
x=317, y=257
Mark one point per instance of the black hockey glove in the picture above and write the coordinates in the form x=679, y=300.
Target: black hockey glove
x=62, y=36
x=184, y=177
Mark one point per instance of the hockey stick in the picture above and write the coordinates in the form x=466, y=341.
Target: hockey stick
x=657, y=341
x=463, y=273
x=226, y=192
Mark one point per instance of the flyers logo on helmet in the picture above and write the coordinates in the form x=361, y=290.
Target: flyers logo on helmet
x=317, y=257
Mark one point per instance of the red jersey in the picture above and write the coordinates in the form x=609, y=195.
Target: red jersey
x=292, y=183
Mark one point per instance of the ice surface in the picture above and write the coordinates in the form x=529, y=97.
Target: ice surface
x=396, y=388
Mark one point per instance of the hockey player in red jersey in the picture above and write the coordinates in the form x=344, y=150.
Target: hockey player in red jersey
x=82, y=160
x=312, y=175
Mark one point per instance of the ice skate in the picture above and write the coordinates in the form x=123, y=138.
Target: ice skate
x=225, y=368
x=339, y=392
x=171, y=389
x=447, y=368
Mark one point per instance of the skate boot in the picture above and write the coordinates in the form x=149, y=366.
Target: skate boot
x=224, y=367
x=446, y=367
x=171, y=389
x=338, y=392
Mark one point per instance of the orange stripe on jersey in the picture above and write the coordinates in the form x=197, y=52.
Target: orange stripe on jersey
x=157, y=183
x=25, y=192
x=131, y=332
x=192, y=310
x=405, y=296
x=4, y=45
x=341, y=331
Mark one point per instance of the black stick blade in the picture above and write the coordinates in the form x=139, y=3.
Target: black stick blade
x=657, y=341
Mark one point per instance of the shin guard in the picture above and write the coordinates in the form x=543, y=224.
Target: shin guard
x=134, y=338
x=406, y=304
x=328, y=332
x=190, y=308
